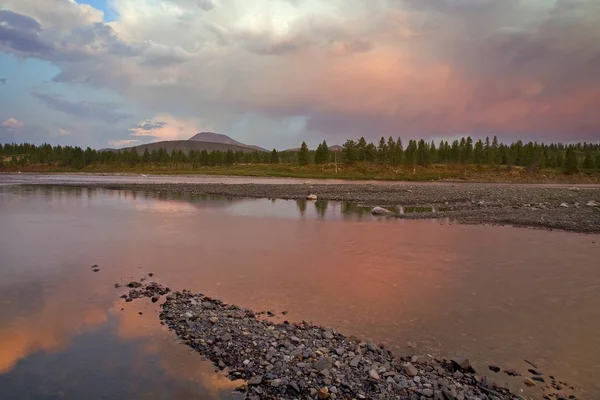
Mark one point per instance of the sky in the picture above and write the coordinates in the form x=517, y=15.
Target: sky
x=113, y=73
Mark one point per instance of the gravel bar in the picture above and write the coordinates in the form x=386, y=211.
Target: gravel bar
x=303, y=361
x=574, y=209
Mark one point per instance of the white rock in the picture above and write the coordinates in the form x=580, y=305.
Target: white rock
x=564, y=205
x=381, y=211
x=311, y=197
x=592, y=203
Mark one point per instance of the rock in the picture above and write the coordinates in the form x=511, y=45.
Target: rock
x=327, y=335
x=409, y=370
x=494, y=368
x=323, y=363
x=117, y=285
x=538, y=378
x=155, y=298
x=592, y=203
x=96, y=269
x=463, y=364
x=529, y=382
x=324, y=393
x=276, y=382
x=311, y=197
x=534, y=372
x=382, y=211
x=564, y=205
x=94, y=266
x=150, y=274
x=427, y=392
x=134, y=285
x=355, y=361
x=374, y=375
x=512, y=372
x=255, y=380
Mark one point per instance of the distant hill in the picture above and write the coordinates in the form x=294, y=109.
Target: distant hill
x=185, y=146
x=212, y=137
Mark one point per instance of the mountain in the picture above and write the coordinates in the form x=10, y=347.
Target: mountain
x=211, y=137
x=185, y=146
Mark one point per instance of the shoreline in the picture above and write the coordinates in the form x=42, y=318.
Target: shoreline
x=568, y=208
x=292, y=360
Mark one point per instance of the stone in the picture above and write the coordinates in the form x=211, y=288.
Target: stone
x=564, y=205
x=276, y=382
x=323, y=363
x=134, y=285
x=155, y=298
x=529, y=382
x=512, y=372
x=255, y=380
x=374, y=375
x=355, y=361
x=311, y=197
x=538, y=378
x=409, y=370
x=427, y=392
x=382, y=211
x=324, y=393
x=592, y=203
x=494, y=368
x=327, y=335
x=463, y=364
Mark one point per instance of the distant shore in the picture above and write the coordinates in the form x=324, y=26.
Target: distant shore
x=359, y=171
x=575, y=209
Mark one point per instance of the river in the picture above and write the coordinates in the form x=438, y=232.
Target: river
x=498, y=295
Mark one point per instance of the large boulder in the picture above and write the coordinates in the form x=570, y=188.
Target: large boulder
x=382, y=211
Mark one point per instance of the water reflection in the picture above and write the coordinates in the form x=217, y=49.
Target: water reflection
x=449, y=289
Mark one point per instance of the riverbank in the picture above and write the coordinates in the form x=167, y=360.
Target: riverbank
x=575, y=209
x=300, y=360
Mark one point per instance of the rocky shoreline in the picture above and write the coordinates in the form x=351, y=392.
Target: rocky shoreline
x=574, y=209
x=303, y=361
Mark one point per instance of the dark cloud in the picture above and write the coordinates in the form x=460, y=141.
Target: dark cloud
x=151, y=125
x=22, y=34
x=107, y=112
x=18, y=21
x=3, y=80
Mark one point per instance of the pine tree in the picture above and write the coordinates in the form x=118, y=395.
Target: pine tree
x=361, y=149
x=349, y=151
x=274, y=157
x=479, y=152
x=571, y=164
x=382, y=151
x=588, y=161
x=303, y=154
x=398, y=152
x=324, y=152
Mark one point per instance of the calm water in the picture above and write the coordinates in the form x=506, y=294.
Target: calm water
x=495, y=294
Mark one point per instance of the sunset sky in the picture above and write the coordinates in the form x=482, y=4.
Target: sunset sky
x=112, y=73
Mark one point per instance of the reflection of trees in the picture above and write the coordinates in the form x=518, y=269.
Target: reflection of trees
x=321, y=207
x=301, y=204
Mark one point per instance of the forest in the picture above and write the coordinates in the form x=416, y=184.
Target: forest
x=569, y=158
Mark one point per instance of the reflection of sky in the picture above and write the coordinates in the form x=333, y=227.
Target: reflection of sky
x=492, y=293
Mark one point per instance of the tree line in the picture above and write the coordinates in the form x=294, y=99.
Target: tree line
x=571, y=158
